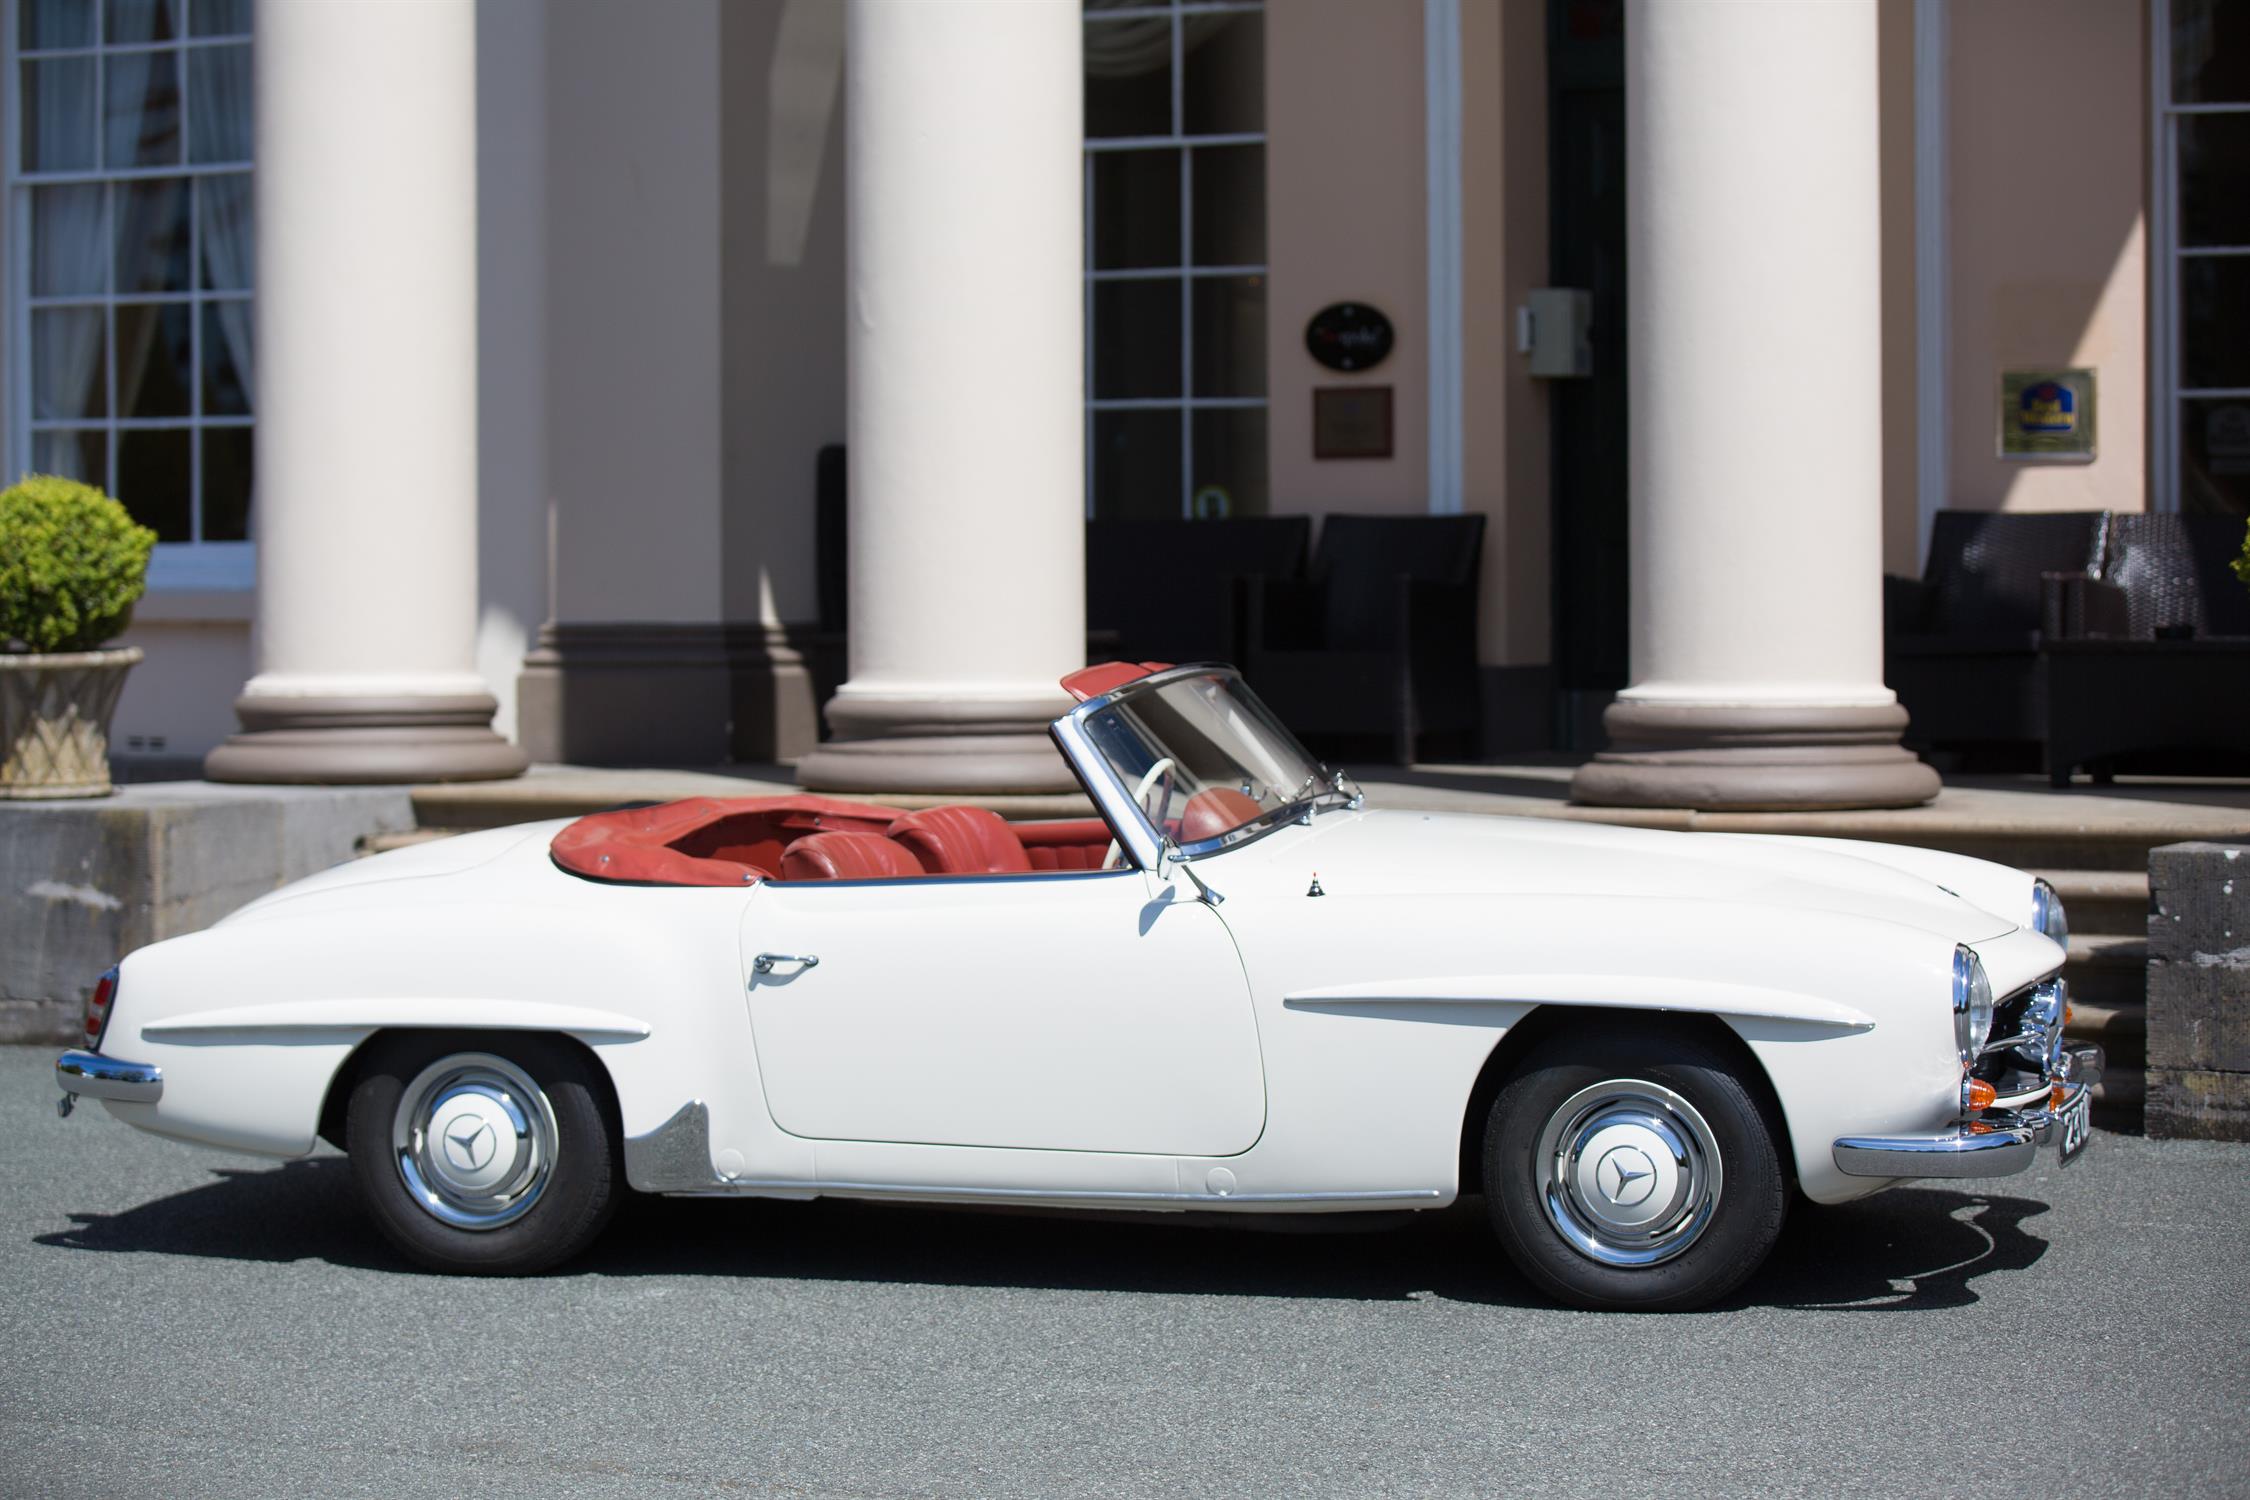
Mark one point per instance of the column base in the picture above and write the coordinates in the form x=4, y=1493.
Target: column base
x=644, y=694
x=371, y=739
x=1754, y=758
x=935, y=746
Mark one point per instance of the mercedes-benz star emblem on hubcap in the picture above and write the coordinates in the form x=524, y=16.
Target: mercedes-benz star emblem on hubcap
x=469, y=1145
x=1626, y=1176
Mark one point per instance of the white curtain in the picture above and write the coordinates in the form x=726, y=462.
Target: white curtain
x=219, y=130
x=1130, y=46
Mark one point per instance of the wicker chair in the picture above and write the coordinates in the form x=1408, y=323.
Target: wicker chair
x=1171, y=590
x=1381, y=638
x=1961, y=644
x=2149, y=665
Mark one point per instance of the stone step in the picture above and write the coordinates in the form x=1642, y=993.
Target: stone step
x=2107, y=971
x=2102, y=902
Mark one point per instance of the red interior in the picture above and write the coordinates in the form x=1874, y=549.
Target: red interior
x=733, y=841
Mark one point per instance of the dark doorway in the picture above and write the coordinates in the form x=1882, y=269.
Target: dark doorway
x=1586, y=219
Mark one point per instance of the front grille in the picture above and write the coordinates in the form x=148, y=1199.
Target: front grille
x=2025, y=1051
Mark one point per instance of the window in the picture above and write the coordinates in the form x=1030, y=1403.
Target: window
x=1175, y=259
x=131, y=263
x=2202, y=261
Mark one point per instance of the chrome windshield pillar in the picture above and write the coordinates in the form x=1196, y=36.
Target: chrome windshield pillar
x=1135, y=834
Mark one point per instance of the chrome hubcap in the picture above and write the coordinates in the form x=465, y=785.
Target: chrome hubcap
x=475, y=1141
x=1628, y=1172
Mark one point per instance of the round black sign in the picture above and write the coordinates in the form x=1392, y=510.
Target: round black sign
x=1348, y=336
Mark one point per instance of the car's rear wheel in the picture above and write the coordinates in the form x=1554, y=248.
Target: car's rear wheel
x=1634, y=1169
x=490, y=1153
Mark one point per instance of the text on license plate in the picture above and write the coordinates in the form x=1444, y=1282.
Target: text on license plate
x=2072, y=1123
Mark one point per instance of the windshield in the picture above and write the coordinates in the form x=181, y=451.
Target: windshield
x=1204, y=758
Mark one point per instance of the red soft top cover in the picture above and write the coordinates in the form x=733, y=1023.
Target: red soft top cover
x=706, y=840
x=1108, y=676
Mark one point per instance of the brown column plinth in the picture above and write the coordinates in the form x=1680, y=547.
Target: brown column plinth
x=1754, y=758
x=970, y=748
x=344, y=740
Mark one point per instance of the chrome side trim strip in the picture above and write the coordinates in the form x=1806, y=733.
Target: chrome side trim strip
x=1997, y=1153
x=99, y=1077
x=1107, y=1196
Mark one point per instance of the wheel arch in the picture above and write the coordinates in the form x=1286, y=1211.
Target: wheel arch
x=337, y=1099
x=1545, y=1021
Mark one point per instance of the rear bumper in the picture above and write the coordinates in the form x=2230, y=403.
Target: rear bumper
x=2000, y=1145
x=99, y=1077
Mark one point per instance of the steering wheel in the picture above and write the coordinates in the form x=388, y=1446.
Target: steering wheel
x=1140, y=795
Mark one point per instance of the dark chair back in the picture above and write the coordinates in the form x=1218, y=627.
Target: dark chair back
x=2174, y=571
x=1984, y=566
x=1361, y=558
x=1167, y=587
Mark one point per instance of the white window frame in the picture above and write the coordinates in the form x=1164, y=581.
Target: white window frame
x=2168, y=397
x=190, y=565
x=1185, y=272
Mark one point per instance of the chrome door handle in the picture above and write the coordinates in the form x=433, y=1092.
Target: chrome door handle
x=764, y=962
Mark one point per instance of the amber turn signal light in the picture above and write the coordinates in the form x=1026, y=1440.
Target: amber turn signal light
x=1981, y=1094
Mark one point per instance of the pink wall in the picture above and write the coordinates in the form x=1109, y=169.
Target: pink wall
x=2047, y=122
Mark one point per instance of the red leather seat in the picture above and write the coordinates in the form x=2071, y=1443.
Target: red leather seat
x=961, y=841
x=846, y=856
x=1211, y=813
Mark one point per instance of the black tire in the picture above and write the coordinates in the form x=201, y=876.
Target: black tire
x=1564, y=1079
x=571, y=1180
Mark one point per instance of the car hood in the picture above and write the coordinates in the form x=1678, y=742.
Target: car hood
x=1409, y=853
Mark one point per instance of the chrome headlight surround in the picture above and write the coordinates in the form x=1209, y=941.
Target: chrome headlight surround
x=2047, y=915
x=1972, y=1005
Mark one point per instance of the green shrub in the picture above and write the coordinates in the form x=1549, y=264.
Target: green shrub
x=71, y=564
x=2242, y=563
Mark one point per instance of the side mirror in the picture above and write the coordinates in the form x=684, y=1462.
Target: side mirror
x=1173, y=859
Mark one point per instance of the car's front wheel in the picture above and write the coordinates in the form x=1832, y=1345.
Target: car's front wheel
x=1634, y=1169
x=483, y=1154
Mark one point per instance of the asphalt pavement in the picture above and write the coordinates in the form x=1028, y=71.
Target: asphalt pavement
x=179, y=1323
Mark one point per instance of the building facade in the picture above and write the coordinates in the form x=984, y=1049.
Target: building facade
x=567, y=312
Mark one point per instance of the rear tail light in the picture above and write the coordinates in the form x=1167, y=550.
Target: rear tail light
x=98, y=1007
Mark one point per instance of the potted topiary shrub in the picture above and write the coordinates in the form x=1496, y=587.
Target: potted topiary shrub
x=72, y=563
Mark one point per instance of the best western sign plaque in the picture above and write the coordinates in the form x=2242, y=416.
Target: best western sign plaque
x=2047, y=414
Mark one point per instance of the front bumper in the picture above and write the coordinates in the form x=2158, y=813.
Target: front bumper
x=1999, y=1145
x=99, y=1077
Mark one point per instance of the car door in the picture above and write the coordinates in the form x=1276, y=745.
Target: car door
x=1086, y=1011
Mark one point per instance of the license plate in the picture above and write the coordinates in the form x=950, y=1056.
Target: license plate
x=2073, y=1123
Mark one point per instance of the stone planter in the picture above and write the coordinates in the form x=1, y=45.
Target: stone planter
x=54, y=721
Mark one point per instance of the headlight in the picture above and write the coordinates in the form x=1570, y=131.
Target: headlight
x=2047, y=913
x=1972, y=1004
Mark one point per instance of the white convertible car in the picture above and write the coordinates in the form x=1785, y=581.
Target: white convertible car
x=1238, y=990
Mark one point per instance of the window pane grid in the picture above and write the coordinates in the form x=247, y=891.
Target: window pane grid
x=171, y=277
x=1236, y=104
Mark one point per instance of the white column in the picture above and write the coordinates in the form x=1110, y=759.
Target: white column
x=966, y=380
x=367, y=401
x=1753, y=245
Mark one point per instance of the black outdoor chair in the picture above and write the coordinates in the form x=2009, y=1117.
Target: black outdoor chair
x=1168, y=590
x=1961, y=643
x=2148, y=666
x=1381, y=638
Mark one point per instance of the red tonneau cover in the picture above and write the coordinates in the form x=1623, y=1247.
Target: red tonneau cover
x=706, y=840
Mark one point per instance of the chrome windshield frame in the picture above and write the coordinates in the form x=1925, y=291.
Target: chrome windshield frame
x=1141, y=840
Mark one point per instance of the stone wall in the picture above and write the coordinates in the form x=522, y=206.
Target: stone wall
x=2199, y=991
x=83, y=883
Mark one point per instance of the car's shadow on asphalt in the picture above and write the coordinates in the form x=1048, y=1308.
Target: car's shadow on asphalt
x=1911, y=1249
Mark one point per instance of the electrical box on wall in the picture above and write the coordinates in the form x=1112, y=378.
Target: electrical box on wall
x=1554, y=327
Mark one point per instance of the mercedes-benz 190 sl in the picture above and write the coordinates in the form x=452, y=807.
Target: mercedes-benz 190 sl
x=1238, y=990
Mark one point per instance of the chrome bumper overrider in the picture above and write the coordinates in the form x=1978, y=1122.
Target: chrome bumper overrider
x=2001, y=1143
x=100, y=1077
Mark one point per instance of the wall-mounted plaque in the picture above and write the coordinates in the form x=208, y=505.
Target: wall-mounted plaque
x=1351, y=421
x=2047, y=415
x=1349, y=336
